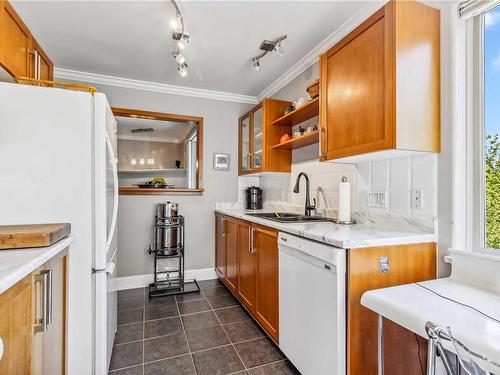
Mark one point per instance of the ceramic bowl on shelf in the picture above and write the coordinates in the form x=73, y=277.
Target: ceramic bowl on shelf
x=288, y=109
x=285, y=137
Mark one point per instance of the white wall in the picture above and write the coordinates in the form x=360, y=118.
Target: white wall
x=136, y=213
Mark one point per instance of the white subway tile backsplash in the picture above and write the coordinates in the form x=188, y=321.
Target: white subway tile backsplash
x=380, y=175
x=397, y=177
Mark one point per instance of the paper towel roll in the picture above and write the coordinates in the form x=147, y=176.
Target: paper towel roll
x=344, y=207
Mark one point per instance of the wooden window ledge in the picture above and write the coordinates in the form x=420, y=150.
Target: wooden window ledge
x=147, y=191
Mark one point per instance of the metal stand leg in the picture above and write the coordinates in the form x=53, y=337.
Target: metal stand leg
x=380, y=332
x=431, y=357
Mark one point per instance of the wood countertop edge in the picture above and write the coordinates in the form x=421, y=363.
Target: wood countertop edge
x=145, y=191
x=32, y=235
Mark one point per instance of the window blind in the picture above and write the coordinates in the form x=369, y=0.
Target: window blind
x=471, y=8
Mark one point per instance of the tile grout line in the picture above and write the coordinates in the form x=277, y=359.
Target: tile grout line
x=185, y=336
x=231, y=341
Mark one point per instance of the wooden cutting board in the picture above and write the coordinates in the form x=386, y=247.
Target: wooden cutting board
x=32, y=235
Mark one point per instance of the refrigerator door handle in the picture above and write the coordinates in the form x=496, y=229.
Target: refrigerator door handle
x=109, y=146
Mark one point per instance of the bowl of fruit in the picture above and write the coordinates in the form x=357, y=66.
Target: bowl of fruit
x=156, y=183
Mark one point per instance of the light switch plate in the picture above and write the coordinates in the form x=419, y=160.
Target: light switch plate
x=377, y=199
x=417, y=199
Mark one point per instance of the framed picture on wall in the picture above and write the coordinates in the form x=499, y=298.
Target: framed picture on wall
x=221, y=162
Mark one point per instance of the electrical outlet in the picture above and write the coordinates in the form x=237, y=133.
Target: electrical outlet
x=417, y=199
x=377, y=199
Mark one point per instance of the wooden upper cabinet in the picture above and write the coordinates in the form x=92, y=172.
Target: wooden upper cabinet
x=20, y=54
x=16, y=42
x=42, y=67
x=267, y=300
x=380, y=85
x=257, y=135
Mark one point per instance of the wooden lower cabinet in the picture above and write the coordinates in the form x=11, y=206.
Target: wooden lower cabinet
x=220, y=246
x=404, y=351
x=231, y=234
x=246, y=267
x=226, y=250
x=246, y=260
x=48, y=349
x=28, y=349
x=16, y=328
x=267, y=301
x=406, y=264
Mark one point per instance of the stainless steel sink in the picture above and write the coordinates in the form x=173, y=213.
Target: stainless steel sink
x=287, y=217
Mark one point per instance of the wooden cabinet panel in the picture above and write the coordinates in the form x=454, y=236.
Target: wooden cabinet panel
x=404, y=351
x=380, y=85
x=246, y=267
x=15, y=44
x=231, y=230
x=267, y=301
x=407, y=264
x=355, y=94
x=16, y=328
x=257, y=135
x=220, y=246
x=49, y=346
x=41, y=65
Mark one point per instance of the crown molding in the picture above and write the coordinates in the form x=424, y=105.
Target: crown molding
x=313, y=56
x=100, y=79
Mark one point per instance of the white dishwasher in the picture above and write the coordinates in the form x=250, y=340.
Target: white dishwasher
x=312, y=304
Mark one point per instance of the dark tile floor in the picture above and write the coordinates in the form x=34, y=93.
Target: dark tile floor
x=205, y=333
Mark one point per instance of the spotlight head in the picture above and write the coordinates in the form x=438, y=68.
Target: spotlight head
x=182, y=69
x=256, y=65
x=278, y=48
x=179, y=58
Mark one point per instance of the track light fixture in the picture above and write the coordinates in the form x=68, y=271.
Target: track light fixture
x=181, y=36
x=268, y=46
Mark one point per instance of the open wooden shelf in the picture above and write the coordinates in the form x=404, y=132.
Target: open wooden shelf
x=298, y=142
x=301, y=114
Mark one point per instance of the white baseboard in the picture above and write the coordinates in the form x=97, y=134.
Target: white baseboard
x=139, y=281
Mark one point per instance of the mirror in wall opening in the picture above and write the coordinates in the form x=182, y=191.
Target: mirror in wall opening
x=158, y=150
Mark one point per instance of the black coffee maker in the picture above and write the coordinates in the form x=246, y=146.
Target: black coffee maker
x=253, y=198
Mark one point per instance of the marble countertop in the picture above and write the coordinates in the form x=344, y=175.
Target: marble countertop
x=344, y=236
x=17, y=263
x=472, y=313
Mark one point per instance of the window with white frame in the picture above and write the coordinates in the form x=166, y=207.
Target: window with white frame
x=483, y=49
x=491, y=128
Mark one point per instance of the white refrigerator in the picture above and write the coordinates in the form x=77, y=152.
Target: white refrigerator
x=58, y=164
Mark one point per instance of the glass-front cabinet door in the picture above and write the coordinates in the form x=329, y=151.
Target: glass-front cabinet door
x=245, y=144
x=257, y=128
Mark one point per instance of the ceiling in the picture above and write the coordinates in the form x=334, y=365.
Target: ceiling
x=132, y=39
x=163, y=131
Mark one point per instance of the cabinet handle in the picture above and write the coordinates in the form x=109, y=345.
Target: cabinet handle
x=45, y=279
x=39, y=66
x=250, y=156
x=252, y=249
x=250, y=239
x=322, y=131
x=223, y=227
x=37, y=72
